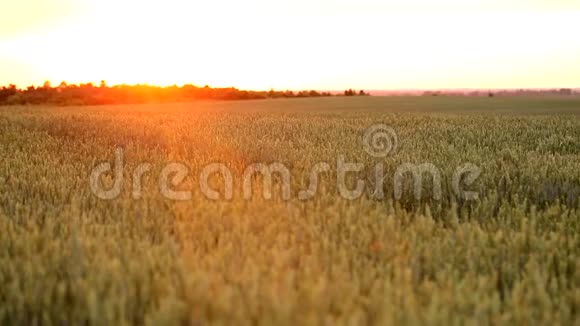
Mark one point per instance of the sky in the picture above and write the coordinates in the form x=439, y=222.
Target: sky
x=297, y=44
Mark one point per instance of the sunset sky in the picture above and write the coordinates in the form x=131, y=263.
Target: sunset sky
x=298, y=44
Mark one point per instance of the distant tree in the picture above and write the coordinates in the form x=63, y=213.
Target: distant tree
x=303, y=94
x=565, y=91
x=88, y=94
x=7, y=92
x=349, y=92
x=15, y=99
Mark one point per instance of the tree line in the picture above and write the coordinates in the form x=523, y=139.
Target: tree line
x=89, y=94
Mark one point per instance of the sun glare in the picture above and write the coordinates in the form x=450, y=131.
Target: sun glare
x=295, y=45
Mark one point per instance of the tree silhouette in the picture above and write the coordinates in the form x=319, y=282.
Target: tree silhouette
x=88, y=94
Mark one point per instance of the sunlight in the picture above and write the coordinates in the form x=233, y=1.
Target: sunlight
x=283, y=45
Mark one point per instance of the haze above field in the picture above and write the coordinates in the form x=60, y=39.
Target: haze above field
x=259, y=44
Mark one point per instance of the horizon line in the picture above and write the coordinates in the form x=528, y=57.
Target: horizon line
x=419, y=89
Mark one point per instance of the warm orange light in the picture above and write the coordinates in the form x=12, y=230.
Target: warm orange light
x=327, y=44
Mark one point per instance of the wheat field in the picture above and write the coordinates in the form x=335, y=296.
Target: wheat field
x=511, y=256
